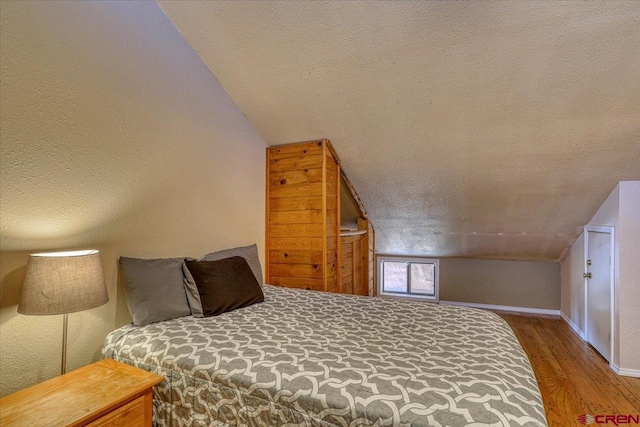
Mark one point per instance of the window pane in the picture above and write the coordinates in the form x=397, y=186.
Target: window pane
x=394, y=276
x=423, y=279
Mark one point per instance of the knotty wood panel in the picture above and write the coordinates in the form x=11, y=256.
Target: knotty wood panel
x=337, y=252
x=267, y=219
x=368, y=248
x=332, y=284
x=296, y=150
x=305, y=176
x=297, y=257
x=303, y=219
x=296, y=217
x=298, y=282
x=332, y=178
x=331, y=268
x=298, y=190
x=324, y=209
x=299, y=217
x=301, y=204
x=332, y=244
x=332, y=204
x=296, y=204
x=297, y=270
x=295, y=163
x=332, y=219
x=296, y=230
x=296, y=243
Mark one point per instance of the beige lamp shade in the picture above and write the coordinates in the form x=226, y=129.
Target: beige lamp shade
x=63, y=282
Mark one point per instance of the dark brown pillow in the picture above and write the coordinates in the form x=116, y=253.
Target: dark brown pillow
x=225, y=285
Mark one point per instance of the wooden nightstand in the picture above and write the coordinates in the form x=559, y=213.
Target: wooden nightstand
x=105, y=393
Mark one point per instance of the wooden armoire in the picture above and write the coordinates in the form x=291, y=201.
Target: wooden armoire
x=305, y=246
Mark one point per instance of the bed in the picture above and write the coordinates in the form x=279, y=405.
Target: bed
x=305, y=358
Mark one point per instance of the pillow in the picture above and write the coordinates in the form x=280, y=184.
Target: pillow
x=155, y=289
x=193, y=296
x=250, y=253
x=225, y=285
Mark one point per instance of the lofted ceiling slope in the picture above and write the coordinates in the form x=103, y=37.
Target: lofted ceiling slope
x=475, y=129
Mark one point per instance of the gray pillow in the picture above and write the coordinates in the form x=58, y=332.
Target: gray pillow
x=193, y=295
x=249, y=253
x=155, y=289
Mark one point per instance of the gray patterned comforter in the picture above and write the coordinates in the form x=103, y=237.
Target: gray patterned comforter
x=304, y=358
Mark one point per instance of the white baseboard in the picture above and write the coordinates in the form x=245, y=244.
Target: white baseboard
x=573, y=326
x=505, y=308
x=635, y=373
x=620, y=371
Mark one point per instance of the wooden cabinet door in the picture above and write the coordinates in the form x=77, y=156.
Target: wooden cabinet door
x=353, y=265
x=360, y=283
x=346, y=265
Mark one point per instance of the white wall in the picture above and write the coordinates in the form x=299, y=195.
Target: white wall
x=629, y=274
x=496, y=282
x=572, y=284
x=620, y=210
x=115, y=136
x=573, y=266
x=609, y=214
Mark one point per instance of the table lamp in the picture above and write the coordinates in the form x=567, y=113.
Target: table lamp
x=63, y=283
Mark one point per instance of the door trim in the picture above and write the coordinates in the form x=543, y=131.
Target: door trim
x=611, y=232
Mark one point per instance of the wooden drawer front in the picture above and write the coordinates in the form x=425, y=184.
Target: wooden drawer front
x=129, y=415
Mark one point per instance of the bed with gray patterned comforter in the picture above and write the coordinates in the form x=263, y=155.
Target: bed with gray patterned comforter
x=304, y=358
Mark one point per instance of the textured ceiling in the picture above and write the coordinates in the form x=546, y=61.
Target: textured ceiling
x=477, y=129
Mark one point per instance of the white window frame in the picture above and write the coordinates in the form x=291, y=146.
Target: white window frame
x=380, y=259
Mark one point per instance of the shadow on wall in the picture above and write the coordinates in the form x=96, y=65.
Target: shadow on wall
x=11, y=282
x=122, y=309
x=38, y=332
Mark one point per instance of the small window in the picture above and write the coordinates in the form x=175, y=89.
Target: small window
x=413, y=277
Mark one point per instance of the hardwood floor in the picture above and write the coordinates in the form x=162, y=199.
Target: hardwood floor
x=573, y=378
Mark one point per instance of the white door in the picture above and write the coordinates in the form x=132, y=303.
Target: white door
x=599, y=292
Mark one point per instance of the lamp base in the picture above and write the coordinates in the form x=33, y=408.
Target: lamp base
x=64, y=343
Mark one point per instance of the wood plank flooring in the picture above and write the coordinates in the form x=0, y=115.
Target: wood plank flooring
x=573, y=378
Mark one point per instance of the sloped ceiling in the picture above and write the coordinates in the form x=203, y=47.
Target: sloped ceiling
x=476, y=129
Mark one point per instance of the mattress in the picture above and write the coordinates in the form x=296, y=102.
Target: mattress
x=305, y=358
